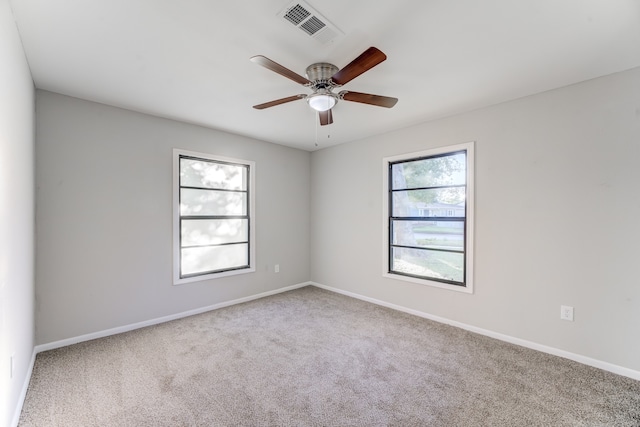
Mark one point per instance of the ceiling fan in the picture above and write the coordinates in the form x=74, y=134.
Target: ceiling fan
x=323, y=77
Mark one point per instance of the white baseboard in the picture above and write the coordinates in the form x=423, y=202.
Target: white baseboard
x=133, y=326
x=620, y=370
x=113, y=331
x=23, y=392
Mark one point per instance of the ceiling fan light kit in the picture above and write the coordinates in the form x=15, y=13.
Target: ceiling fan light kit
x=323, y=77
x=322, y=101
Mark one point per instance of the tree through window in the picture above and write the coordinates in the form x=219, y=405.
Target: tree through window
x=213, y=198
x=428, y=215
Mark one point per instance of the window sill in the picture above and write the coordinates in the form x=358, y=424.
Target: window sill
x=425, y=282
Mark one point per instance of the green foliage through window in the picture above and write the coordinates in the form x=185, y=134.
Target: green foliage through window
x=427, y=217
x=214, y=225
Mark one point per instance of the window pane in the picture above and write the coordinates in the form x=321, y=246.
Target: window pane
x=214, y=231
x=432, y=172
x=429, y=203
x=200, y=173
x=212, y=202
x=435, y=264
x=429, y=234
x=214, y=258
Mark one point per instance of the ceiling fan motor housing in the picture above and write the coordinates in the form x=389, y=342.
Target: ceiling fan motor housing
x=322, y=98
x=320, y=74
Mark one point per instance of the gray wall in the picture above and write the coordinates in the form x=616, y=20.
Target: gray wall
x=16, y=215
x=104, y=217
x=557, y=209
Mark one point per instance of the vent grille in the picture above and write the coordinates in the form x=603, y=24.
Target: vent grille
x=313, y=25
x=311, y=22
x=297, y=14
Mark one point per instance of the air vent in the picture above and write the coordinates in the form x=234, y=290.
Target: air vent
x=312, y=25
x=308, y=20
x=297, y=14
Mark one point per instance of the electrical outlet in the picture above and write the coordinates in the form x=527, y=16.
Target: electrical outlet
x=566, y=313
x=276, y=268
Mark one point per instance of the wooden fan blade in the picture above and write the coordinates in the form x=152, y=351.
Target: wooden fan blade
x=367, y=98
x=326, y=117
x=366, y=61
x=278, y=102
x=283, y=71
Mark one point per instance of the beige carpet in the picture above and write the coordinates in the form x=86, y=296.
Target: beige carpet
x=310, y=357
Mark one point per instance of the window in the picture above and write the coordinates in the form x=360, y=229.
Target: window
x=428, y=218
x=213, y=216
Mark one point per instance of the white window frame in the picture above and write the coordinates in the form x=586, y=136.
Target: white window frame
x=177, y=280
x=470, y=217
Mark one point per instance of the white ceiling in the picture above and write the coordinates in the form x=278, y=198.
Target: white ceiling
x=189, y=59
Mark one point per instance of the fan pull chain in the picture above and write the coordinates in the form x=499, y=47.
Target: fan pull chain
x=316, y=119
